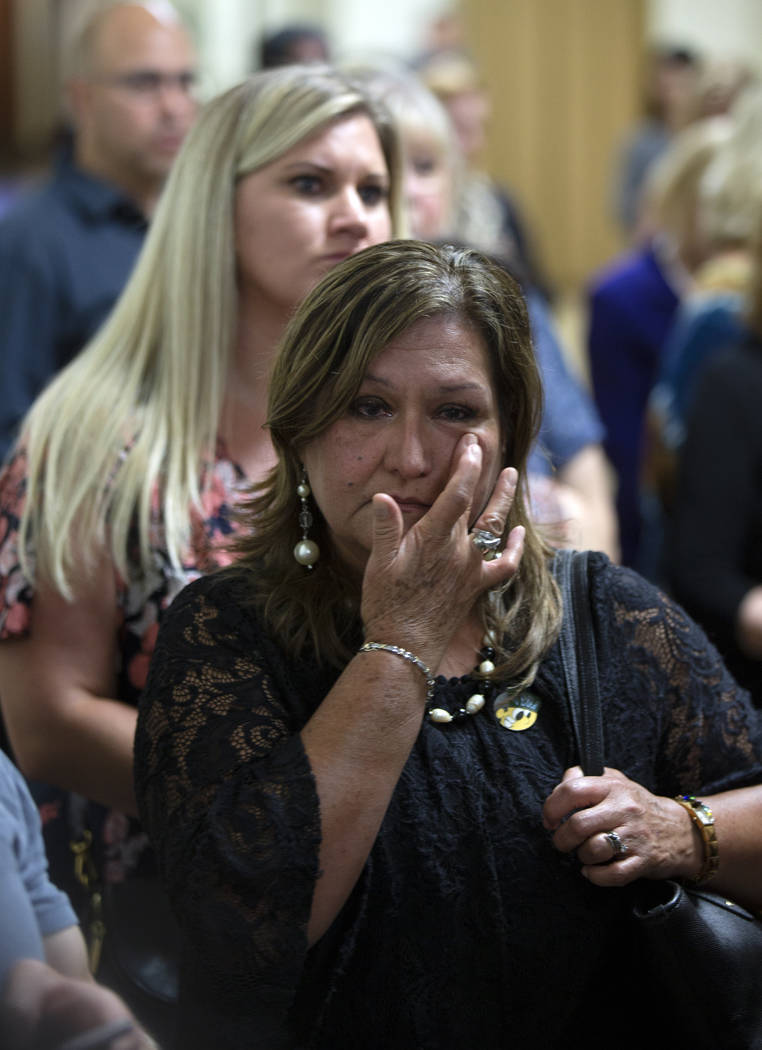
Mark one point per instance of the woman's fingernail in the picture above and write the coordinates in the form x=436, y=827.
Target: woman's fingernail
x=512, y=476
x=469, y=439
x=380, y=509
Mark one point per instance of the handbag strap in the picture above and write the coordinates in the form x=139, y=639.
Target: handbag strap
x=579, y=658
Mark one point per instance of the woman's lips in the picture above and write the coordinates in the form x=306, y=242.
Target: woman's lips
x=336, y=257
x=411, y=506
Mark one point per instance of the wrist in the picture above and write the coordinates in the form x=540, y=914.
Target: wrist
x=409, y=657
x=418, y=642
x=706, y=858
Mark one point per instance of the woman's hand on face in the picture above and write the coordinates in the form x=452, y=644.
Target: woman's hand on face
x=419, y=585
x=654, y=836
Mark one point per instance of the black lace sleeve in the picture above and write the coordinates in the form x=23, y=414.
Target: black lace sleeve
x=662, y=680
x=227, y=796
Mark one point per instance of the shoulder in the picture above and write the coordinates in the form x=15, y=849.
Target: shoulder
x=616, y=276
x=32, y=205
x=645, y=635
x=701, y=325
x=636, y=621
x=214, y=612
x=636, y=273
x=37, y=234
x=617, y=593
x=215, y=621
x=729, y=389
x=616, y=583
x=217, y=590
x=675, y=718
x=629, y=606
x=735, y=366
x=35, y=210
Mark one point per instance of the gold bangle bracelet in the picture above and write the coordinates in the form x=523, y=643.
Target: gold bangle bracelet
x=703, y=818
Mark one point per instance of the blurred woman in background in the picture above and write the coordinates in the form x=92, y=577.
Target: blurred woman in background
x=632, y=304
x=569, y=479
x=715, y=553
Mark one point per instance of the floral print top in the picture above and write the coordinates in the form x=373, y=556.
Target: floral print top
x=142, y=599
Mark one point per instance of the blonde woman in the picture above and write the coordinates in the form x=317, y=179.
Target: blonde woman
x=728, y=201
x=432, y=163
x=714, y=554
x=632, y=304
x=129, y=465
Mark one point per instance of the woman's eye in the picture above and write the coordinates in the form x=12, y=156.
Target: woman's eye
x=456, y=413
x=308, y=185
x=424, y=165
x=372, y=194
x=369, y=408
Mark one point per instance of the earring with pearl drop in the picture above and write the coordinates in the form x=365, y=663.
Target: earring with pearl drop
x=306, y=552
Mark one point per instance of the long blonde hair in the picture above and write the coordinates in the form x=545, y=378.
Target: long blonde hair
x=730, y=190
x=346, y=320
x=141, y=404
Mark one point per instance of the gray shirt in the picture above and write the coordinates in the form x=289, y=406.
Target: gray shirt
x=30, y=905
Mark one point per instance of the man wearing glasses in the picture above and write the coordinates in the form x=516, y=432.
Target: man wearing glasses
x=67, y=250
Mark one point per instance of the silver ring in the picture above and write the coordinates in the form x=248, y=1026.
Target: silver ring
x=487, y=543
x=616, y=844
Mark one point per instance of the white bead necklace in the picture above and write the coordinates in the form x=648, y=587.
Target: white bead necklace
x=477, y=700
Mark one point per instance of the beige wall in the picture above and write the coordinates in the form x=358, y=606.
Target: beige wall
x=563, y=76
x=35, y=28
x=729, y=29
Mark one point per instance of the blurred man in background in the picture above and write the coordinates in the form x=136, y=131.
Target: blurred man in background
x=297, y=42
x=67, y=250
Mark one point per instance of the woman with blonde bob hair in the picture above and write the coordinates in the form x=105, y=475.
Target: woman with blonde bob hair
x=129, y=465
x=353, y=755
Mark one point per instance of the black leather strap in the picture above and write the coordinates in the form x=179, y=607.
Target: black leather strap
x=580, y=661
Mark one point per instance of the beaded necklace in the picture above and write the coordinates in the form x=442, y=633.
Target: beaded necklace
x=477, y=700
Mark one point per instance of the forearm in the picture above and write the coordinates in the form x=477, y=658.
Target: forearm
x=57, y=688
x=65, y=951
x=738, y=825
x=40, y=1007
x=357, y=744
x=589, y=475
x=83, y=744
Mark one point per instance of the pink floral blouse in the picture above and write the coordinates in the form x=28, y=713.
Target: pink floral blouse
x=142, y=599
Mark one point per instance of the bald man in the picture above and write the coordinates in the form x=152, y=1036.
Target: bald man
x=67, y=250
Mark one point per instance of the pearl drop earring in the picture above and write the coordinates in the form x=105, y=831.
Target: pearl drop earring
x=306, y=551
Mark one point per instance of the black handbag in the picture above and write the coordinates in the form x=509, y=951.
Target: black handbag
x=702, y=953
x=133, y=938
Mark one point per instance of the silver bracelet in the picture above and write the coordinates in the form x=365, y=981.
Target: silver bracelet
x=430, y=683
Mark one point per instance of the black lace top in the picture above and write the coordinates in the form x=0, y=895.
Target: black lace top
x=467, y=928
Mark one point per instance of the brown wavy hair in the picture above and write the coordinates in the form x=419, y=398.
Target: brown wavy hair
x=357, y=310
